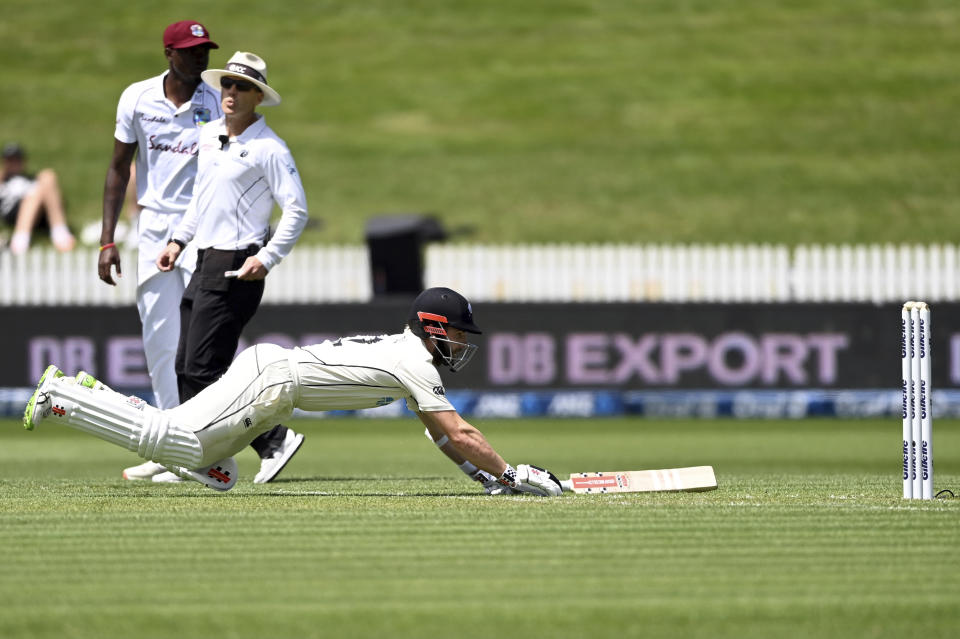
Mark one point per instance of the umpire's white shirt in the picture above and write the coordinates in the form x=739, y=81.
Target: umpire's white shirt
x=167, y=139
x=237, y=185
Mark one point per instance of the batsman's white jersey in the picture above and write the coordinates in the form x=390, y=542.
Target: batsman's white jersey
x=260, y=389
x=266, y=382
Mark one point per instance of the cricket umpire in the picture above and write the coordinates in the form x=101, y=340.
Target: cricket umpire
x=243, y=169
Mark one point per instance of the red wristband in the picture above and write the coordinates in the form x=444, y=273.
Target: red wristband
x=108, y=245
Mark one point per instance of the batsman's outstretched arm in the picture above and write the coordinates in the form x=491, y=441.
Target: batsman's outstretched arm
x=470, y=444
x=467, y=442
x=489, y=482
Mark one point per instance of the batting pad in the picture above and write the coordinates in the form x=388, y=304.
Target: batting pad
x=128, y=422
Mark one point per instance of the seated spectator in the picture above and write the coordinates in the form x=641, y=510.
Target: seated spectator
x=28, y=202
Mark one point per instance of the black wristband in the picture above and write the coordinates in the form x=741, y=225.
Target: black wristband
x=182, y=245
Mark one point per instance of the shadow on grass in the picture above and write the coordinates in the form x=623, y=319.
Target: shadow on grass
x=288, y=490
x=321, y=493
x=297, y=480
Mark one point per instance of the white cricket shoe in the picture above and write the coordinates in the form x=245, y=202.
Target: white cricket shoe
x=221, y=475
x=147, y=470
x=271, y=466
x=166, y=477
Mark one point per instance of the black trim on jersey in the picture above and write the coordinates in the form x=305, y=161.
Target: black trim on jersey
x=373, y=368
x=369, y=368
x=306, y=350
x=400, y=384
x=223, y=416
x=240, y=217
x=346, y=384
x=260, y=372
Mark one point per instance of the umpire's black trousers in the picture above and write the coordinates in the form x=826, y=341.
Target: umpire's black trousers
x=213, y=311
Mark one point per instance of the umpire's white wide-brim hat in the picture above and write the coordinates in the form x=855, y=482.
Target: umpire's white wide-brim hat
x=245, y=66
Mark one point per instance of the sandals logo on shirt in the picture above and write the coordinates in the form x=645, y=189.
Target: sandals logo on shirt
x=201, y=116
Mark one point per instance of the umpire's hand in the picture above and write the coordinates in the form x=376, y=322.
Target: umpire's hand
x=168, y=257
x=252, y=270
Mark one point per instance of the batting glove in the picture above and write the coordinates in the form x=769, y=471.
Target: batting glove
x=491, y=485
x=531, y=479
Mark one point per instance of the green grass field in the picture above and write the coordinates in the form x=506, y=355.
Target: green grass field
x=547, y=120
x=371, y=533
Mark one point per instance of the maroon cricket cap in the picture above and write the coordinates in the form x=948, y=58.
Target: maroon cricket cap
x=185, y=34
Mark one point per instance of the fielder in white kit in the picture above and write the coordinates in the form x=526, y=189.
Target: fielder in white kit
x=159, y=122
x=265, y=383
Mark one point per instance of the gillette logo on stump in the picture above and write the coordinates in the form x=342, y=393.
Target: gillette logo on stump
x=923, y=332
x=903, y=388
x=906, y=459
x=924, y=461
x=923, y=399
x=903, y=338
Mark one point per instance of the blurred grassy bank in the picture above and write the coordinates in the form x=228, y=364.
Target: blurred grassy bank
x=548, y=120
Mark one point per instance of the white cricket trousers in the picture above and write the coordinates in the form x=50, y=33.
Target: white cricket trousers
x=257, y=392
x=158, y=301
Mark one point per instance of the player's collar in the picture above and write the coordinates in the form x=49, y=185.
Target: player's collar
x=408, y=335
x=253, y=130
x=196, y=100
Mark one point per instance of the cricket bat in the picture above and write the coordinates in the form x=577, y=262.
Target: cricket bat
x=693, y=479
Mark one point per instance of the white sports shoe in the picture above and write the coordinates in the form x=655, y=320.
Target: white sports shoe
x=221, y=475
x=166, y=477
x=146, y=470
x=271, y=466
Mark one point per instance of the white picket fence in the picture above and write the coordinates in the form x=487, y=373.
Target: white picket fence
x=549, y=273
x=46, y=277
x=707, y=273
x=613, y=273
